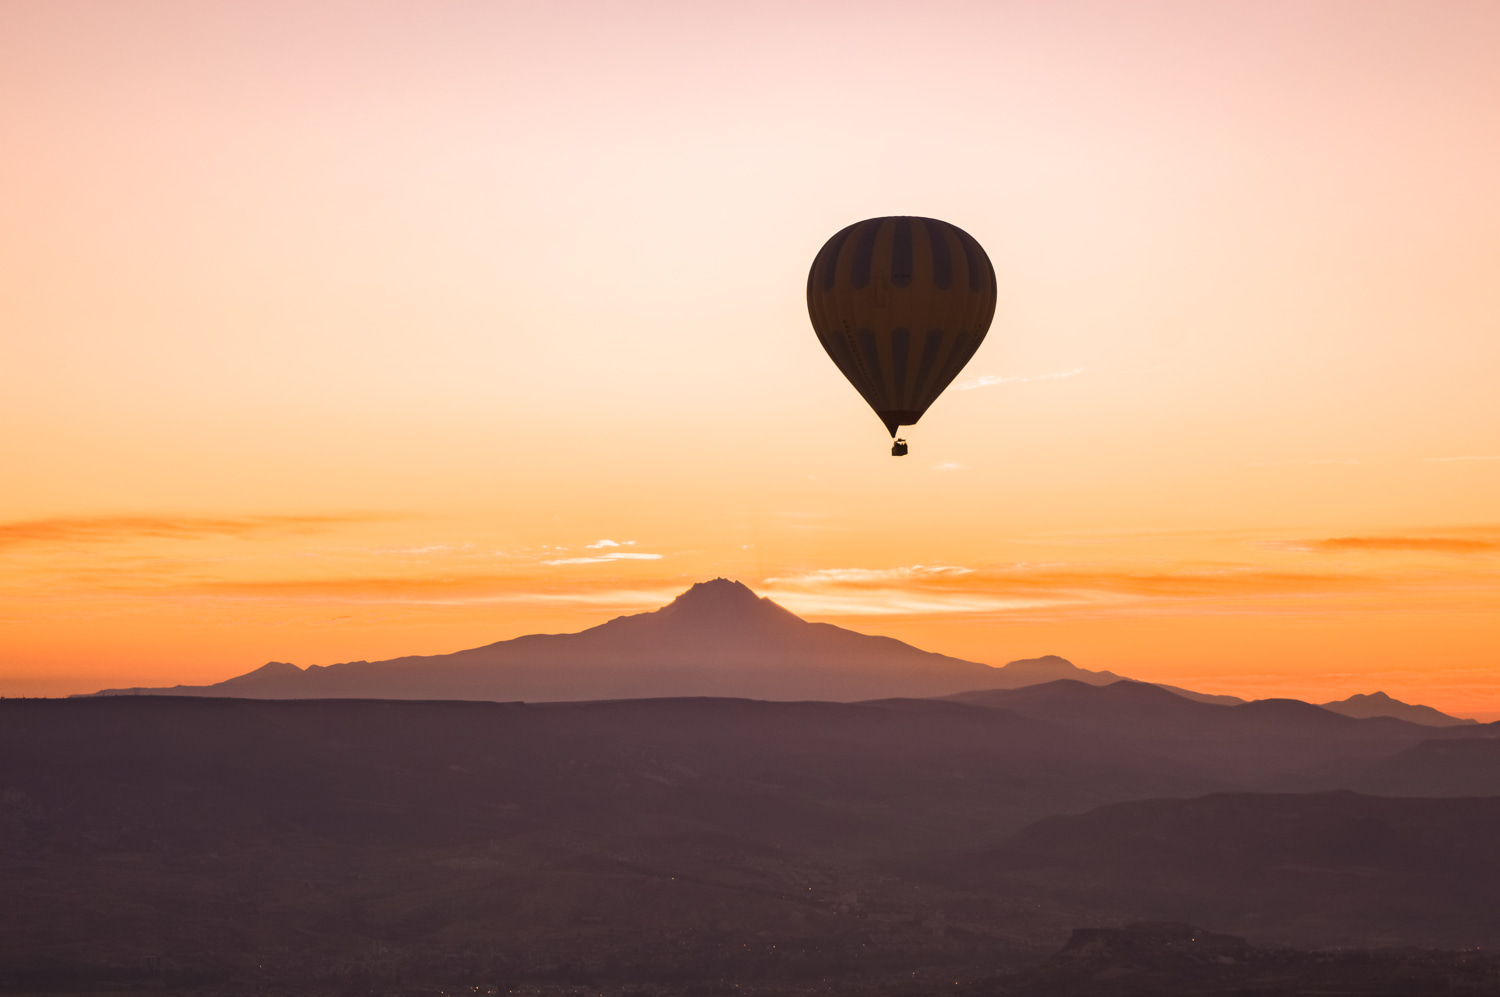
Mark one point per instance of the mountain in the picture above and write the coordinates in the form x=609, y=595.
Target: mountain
x=1378, y=704
x=1202, y=697
x=1148, y=709
x=1047, y=668
x=716, y=639
x=1051, y=668
x=1268, y=744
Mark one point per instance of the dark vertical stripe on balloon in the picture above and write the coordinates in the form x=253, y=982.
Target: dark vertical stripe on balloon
x=857, y=373
x=901, y=253
x=957, y=357
x=872, y=363
x=838, y=350
x=942, y=261
x=864, y=251
x=930, y=349
x=972, y=255
x=828, y=259
x=900, y=347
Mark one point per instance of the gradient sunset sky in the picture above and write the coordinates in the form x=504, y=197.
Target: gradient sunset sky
x=353, y=330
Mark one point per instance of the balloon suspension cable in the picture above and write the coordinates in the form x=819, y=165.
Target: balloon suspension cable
x=898, y=448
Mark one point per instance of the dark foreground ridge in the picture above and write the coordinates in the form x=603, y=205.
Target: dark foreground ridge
x=240, y=846
x=1173, y=958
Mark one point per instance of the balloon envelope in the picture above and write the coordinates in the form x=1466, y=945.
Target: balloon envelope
x=901, y=304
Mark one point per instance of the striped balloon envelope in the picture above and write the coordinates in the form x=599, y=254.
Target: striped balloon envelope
x=901, y=304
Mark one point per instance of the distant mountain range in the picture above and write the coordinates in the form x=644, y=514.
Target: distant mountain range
x=716, y=639
x=1378, y=704
x=1268, y=744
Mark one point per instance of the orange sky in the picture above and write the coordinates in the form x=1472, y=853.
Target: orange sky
x=338, y=331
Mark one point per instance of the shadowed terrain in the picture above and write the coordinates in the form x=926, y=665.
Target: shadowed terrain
x=648, y=837
x=357, y=844
x=1310, y=869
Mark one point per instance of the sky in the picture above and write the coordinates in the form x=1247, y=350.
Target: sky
x=339, y=331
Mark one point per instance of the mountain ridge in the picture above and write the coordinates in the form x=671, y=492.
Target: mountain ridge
x=1378, y=704
x=717, y=638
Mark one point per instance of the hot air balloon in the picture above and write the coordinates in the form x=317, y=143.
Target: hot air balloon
x=901, y=304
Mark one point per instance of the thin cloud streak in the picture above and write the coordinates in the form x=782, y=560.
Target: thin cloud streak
x=1309, y=461
x=825, y=576
x=953, y=589
x=605, y=558
x=924, y=589
x=990, y=380
x=898, y=602
x=1437, y=545
x=429, y=591
x=118, y=529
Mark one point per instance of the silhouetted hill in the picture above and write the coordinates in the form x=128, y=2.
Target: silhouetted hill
x=1326, y=869
x=654, y=836
x=1453, y=767
x=609, y=756
x=1121, y=704
x=1378, y=704
x=1051, y=668
x=342, y=846
x=1265, y=744
x=716, y=639
x=1047, y=668
x=1140, y=706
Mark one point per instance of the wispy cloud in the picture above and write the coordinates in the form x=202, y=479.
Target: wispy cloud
x=950, y=466
x=116, y=529
x=1309, y=460
x=899, y=602
x=990, y=380
x=611, y=556
x=609, y=543
x=825, y=576
x=1447, y=460
x=426, y=590
x=952, y=589
x=428, y=549
x=1437, y=545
